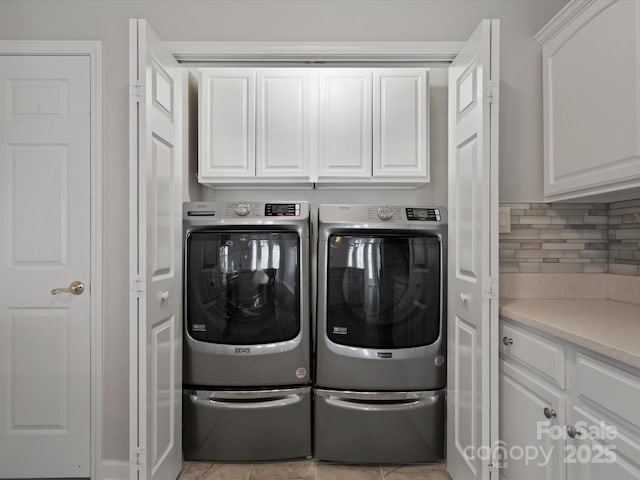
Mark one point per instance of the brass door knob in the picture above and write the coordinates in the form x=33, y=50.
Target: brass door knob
x=75, y=288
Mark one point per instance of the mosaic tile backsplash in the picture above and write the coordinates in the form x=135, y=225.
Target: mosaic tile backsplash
x=572, y=238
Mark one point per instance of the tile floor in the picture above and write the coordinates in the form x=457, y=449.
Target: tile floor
x=309, y=470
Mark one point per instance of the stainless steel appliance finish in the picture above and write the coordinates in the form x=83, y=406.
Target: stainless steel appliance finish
x=370, y=363
x=247, y=426
x=379, y=427
x=380, y=340
x=247, y=342
x=265, y=354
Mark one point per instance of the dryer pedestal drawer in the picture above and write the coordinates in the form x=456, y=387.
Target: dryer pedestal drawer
x=247, y=426
x=379, y=427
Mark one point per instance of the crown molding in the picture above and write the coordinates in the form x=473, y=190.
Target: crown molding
x=200, y=52
x=564, y=17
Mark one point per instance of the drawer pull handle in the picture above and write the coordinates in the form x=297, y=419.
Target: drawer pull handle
x=507, y=341
x=550, y=413
x=573, y=432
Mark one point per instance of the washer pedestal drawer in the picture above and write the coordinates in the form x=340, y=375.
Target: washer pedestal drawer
x=247, y=426
x=379, y=427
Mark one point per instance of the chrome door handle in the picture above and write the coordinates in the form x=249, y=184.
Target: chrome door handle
x=549, y=413
x=464, y=297
x=76, y=288
x=507, y=341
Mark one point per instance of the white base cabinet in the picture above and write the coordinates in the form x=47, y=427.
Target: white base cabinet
x=532, y=403
x=591, y=95
x=524, y=399
x=303, y=126
x=589, y=418
x=606, y=416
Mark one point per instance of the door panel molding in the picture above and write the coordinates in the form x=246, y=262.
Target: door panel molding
x=93, y=50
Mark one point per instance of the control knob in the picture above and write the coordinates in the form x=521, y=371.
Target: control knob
x=385, y=213
x=242, y=209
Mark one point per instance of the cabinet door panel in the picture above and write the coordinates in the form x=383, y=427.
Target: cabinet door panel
x=522, y=403
x=585, y=457
x=592, y=102
x=284, y=122
x=227, y=123
x=400, y=123
x=610, y=388
x=344, y=147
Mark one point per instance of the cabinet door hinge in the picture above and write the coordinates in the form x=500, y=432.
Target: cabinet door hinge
x=138, y=287
x=491, y=92
x=137, y=459
x=490, y=289
x=137, y=91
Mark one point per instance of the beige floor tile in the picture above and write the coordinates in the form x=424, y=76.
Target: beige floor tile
x=228, y=471
x=194, y=470
x=415, y=472
x=328, y=471
x=297, y=470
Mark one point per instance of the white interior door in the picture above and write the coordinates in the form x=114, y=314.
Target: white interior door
x=472, y=398
x=45, y=152
x=156, y=271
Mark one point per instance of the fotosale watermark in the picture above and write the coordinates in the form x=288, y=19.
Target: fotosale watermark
x=594, y=445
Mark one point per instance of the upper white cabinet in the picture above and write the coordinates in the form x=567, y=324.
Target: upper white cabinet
x=591, y=68
x=329, y=126
x=227, y=124
x=255, y=124
x=345, y=123
x=400, y=113
x=284, y=116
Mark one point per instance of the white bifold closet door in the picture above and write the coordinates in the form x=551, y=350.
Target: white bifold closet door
x=472, y=383
x=155, y=257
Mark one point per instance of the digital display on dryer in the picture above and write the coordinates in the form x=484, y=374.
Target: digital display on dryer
x=281, y=209
x=423, y=214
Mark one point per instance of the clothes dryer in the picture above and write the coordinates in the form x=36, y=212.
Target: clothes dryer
x=381, y=348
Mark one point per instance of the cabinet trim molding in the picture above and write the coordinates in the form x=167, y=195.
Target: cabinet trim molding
x=564, y=17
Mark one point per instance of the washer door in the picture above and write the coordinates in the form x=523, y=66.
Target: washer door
x=242, y=287
x=383, y=290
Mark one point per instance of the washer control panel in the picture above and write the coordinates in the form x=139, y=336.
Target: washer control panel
x=282, y=210
x=385, y=213
x=242, y=209
x=423, y=214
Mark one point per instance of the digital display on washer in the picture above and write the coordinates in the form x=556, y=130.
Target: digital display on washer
x=281, y=209
x=423, y=214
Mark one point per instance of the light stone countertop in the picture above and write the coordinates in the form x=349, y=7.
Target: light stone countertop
x=607, y=327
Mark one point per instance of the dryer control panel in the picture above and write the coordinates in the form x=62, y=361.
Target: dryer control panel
x=423, y=214
x=282, y=210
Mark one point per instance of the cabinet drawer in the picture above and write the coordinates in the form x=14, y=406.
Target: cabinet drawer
x=544, y=356
x=623, y=464
x=609, y=387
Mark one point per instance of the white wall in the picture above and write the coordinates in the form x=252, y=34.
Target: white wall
x=293, y=20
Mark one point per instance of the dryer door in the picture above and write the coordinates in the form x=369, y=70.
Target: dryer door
x=242, y=287
x=383, y=290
